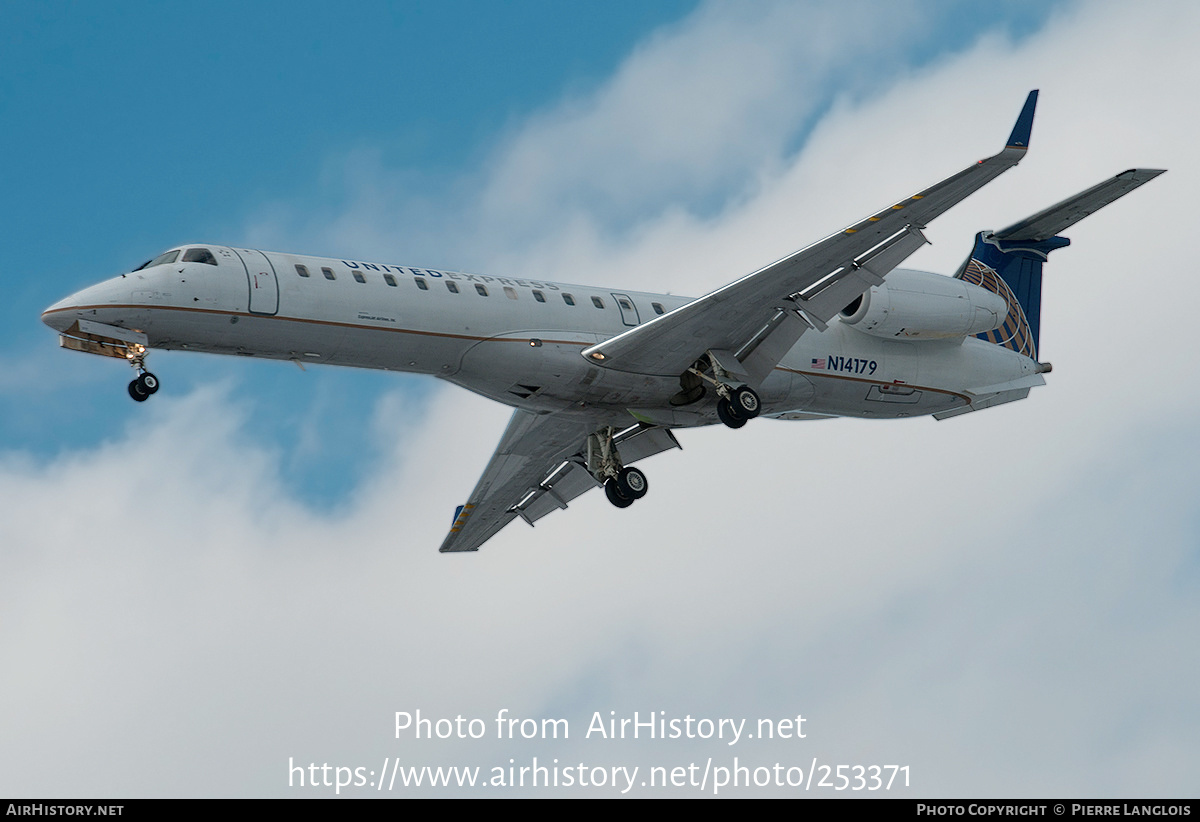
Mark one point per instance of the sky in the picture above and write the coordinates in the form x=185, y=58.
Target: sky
x=204, y=594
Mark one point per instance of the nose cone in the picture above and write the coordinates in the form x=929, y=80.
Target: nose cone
x=60, y=315
x=63, y=313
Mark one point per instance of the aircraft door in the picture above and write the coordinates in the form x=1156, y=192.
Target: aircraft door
x=263, y=284
x=629, y=312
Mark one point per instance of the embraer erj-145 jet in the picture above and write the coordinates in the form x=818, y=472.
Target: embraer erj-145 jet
x=601, y=378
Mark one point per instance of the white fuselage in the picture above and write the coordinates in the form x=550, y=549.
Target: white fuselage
x=517, y=341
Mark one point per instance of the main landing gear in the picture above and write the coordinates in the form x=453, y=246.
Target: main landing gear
x=741, y=405
x=737, y=404
x=626, y=487
x=146, y=383
x=623, y=486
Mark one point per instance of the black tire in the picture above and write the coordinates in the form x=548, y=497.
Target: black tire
x=615, y=496
x=137, y=392
x=632, y=483
x=149, y=382
x=745, y=402
x=728, y=416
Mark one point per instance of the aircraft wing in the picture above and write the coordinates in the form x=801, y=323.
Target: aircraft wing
x=758, y=318
x=538, y=467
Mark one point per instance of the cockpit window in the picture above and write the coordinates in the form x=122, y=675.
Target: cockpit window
x=199, y=255
x=162, y=259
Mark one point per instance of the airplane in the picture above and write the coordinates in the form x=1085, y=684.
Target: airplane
x=601, y=378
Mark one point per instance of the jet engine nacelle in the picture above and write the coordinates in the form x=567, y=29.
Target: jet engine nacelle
x=925, y=306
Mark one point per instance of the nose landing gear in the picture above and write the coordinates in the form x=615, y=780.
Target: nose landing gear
x=146, y=383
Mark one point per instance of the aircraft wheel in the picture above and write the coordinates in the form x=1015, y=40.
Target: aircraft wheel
x=149, y=382
x=632, y=483
x=138, y=392
x=745, y=402
x=728, y=416
x=615, y=496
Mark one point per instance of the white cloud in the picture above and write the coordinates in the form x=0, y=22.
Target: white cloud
x=1004, y=601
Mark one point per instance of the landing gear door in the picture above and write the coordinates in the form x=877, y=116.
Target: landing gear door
x=629, y=312
x=264, y=286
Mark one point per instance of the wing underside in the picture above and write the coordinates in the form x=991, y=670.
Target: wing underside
x=539, y=466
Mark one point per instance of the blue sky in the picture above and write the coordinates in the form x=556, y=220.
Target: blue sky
x=244, y=569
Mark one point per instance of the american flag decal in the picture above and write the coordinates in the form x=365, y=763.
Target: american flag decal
x=818, y=363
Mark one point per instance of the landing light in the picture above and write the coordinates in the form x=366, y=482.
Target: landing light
x=597, y=355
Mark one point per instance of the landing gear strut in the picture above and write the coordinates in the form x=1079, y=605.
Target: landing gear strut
x=146, y=383
x=623, y=486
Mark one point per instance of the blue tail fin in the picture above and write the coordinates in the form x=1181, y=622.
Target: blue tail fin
x=1012, y=269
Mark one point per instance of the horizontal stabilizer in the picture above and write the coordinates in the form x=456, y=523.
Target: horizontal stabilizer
x=1045, y=224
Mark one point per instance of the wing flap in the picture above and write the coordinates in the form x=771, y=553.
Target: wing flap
x=572, y=479
x=538, y=467
x=531, y=444
x=567, y=481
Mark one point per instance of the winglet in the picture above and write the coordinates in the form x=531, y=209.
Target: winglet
x=1020, y=133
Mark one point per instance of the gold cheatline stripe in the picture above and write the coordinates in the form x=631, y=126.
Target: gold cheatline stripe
x=332, y=323
x=871, y=382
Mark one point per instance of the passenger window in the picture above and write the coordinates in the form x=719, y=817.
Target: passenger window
x=390, y=280
x=510, y=292
x=481, y=290
x=539, y=296
x=451, y=287
x=599, y=303
x=421, y=284
x=199, y=255
x=658, y=309
x=301, y=270
x=328, y=272
x=625, y=304
x=568, y=299
x=358, y=276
